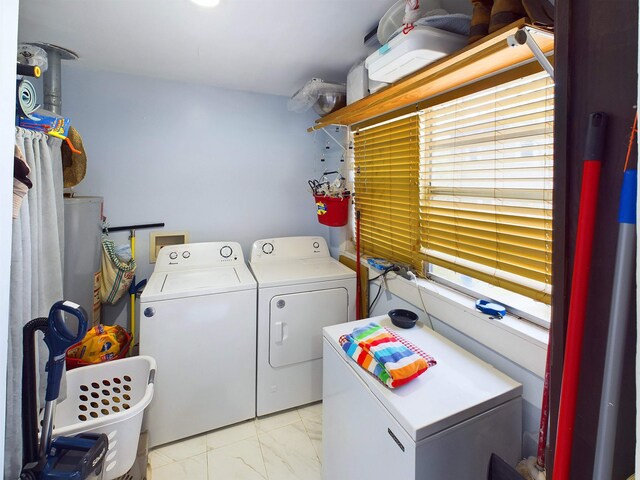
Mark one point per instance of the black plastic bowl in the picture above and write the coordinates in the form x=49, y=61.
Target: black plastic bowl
x=403, y=318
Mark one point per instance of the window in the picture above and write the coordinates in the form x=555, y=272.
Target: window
x=387, y=169
x=484, y=190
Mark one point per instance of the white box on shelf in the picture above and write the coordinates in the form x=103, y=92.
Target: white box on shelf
x=375, y=86
x=406, y=53
x=357, y=83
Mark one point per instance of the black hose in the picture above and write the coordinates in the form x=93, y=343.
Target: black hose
x=391, y=268
x=28, y=70
x=30, y=390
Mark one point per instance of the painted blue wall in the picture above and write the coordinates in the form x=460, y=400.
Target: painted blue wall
x=221, y=164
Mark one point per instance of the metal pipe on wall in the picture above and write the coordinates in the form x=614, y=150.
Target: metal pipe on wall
x=52, y=78
x=51, y=83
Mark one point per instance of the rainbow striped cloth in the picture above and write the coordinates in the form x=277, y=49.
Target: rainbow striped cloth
x=390, y=358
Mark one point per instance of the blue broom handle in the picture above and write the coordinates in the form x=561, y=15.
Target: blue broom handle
x=623, y=283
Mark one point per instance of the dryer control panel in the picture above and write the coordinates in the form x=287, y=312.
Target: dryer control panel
x=191, y=256
x=288, y=248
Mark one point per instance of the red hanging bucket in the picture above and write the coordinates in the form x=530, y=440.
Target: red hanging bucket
x=333, y=211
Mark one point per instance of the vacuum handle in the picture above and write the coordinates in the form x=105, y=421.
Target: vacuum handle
x=30, y=390
x=59, y=338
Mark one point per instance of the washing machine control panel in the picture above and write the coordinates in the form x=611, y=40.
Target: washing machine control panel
x=289, y=248
x=199, y=255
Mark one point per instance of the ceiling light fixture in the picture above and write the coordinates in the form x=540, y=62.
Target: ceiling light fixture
x=206, y=3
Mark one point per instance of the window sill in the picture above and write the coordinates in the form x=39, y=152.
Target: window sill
x=522, y=342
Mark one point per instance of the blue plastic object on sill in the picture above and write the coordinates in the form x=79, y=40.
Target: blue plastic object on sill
x=491, y=308
x=379, y=263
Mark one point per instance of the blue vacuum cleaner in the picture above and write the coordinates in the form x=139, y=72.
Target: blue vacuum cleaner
x=80, y=457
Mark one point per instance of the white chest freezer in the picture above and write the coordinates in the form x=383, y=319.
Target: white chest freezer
x=443, y=425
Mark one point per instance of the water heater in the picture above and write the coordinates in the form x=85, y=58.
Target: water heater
x=82, y=250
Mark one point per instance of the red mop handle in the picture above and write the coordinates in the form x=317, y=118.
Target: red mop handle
x=579, y=294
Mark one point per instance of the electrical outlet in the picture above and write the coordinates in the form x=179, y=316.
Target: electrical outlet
x=404, y=272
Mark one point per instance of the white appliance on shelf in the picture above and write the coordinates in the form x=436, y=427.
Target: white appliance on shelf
x=199, y=322
x=359, y=85
x=301, y=289
x=443, y=425
x=406, y=53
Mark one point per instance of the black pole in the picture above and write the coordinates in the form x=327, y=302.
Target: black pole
x=133, y=227
x=30, y=390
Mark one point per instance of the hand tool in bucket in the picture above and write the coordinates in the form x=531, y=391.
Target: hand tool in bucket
x=332, y=200
x=78, y=457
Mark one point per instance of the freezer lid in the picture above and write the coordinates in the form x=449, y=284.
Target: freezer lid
x=309, y=270
x=166, y=286
x=459, y=387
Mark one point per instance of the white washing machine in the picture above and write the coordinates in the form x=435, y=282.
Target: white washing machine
x=199, y=322
x=443, y=425
x=301, y=289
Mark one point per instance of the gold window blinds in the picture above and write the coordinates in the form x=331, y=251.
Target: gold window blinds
x=486, y=184
x=386, y=174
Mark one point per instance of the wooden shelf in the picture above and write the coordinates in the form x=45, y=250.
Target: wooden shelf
x=489, y=56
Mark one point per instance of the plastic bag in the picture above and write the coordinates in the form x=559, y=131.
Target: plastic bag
x=32, y=55
x=123, y=252
x=307, y=96
x=102, y=343
x=450, y=22
x=416, y=9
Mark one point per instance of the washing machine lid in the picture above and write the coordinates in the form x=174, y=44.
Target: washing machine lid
x=295, y=272
x=458, y=388
x=190, y=283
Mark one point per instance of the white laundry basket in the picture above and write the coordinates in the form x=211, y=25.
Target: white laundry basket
x=109, y=398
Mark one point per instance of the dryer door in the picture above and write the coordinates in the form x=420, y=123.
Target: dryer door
x=297, y=320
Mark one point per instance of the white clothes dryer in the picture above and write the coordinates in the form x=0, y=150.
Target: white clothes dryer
x=198, y=322
x=301, y=289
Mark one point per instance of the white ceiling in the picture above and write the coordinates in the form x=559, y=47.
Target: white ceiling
x=265, y=46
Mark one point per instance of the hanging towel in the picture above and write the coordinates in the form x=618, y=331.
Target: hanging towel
x=117, y=275
x=390, y=358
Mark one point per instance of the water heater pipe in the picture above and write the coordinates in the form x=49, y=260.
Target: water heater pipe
x=52, y=84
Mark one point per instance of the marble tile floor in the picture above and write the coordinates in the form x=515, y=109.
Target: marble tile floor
x=282, y=446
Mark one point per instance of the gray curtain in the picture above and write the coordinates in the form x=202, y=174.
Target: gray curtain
x=36, y=271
